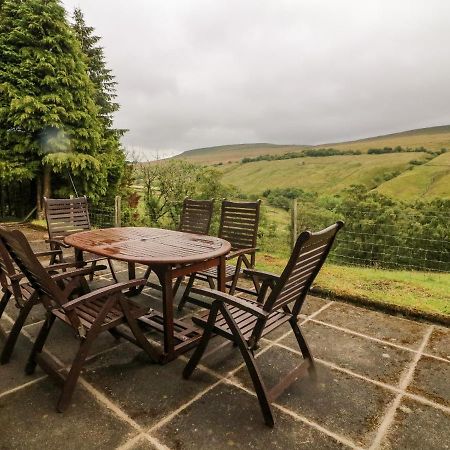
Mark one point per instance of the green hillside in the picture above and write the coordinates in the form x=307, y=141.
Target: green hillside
x=428, y=180
x=321, y=174
x=432, y=138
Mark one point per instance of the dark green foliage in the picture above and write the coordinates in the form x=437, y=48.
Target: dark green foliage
x=383, y=232
x=282, y=197
x=303, y=154
x=46, y=101
x=167, y=183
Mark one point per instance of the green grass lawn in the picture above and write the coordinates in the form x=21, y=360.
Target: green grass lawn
x=424, y=291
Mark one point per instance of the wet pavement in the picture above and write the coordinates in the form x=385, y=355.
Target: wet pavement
x=383, y=382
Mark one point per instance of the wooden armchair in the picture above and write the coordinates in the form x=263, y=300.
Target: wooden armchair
x=13, y=285
x=67, y=216
x=244, y=322
x=239, y=225
x=89, y=314
x=195, y=218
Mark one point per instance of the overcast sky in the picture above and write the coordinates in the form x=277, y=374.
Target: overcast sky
x=202, y=73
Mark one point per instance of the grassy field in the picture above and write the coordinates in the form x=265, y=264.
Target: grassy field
x=424, y=291
x=426, y=181
x=322, y=174
x=432, y=138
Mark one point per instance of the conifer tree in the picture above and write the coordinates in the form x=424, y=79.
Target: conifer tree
x=49, y=120
x=105, y=95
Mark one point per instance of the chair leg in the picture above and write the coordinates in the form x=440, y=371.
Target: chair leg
x=4, y=302
x=177, y=284
x=15, y=330
x=93, y=266
x=145, y=277
x=137, y=332
x=186, y=292
x=39, y=343
x=74, y=373
x=253, y=370
x=211, y=282
x=201, y=347
x=111, y=269
x=304, y=348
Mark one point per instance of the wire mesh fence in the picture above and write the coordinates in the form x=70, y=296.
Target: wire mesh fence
x=382, y=237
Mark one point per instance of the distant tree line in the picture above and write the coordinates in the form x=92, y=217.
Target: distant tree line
x=379, y=231
x=321, y=152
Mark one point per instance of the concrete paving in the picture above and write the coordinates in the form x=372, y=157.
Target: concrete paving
x=383, y=382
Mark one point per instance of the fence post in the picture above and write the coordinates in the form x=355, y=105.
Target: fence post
x=117, y=210
x=294, y=222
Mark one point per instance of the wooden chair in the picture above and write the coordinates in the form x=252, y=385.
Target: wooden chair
x=67, y=216
x=13, y=286
x=239, y=225
x=195, y=218
x=89, y=315
x=244, y=322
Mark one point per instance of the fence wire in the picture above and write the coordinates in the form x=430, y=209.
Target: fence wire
x=384, y=239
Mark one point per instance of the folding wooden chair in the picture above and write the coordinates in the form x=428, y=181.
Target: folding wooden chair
x=89, y=315
x=239, y=225
x=67, y=216
x=244, y=322
x=14, y=286
x=195, y=218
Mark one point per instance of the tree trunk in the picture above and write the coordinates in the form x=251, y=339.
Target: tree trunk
x=40, y=212
x=47, y=186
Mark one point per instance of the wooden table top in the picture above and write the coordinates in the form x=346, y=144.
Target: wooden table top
x=149, y=245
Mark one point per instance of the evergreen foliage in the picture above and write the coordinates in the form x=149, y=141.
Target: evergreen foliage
x=51, y=118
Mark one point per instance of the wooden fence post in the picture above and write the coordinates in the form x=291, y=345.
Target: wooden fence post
x=117, y=210
x=294, y=223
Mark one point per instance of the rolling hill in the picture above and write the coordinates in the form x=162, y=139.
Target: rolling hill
x=432, y=138
x=406, y=176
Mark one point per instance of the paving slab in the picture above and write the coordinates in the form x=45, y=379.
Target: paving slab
x=346, y=405
x=28, y=420
x=418, y=426
x=371, y=359
x=432, y=380
x=228, y=417
x=142, y=444
x=63, y=343
x=143, y=390
x=13, y=374
x=37, y=314
x=375, y=324
x=439, y=343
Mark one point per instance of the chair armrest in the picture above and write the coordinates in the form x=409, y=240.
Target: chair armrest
x=231, y=300
x=48, y=253
x=57, y=243
x=61, y=266
x=241, y=251
x=262, y=274
x=72, y=274
x=103, y=292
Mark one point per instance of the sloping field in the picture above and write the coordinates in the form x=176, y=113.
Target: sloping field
x=225, y=153
x=322, y=174
x=433, y=138
x=429, y=180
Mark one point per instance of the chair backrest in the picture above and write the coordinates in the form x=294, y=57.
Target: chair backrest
x=20, y=251
x=239, y=223
x=196, y=216
x=66, y=216
x=7, y=269
x=307, y=258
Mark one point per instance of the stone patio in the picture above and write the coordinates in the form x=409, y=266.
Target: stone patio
x=383, y=382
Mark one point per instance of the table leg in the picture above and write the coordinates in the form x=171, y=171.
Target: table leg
x=79, y=257
x=221, y=274
x=165, y=278
x=132, y=276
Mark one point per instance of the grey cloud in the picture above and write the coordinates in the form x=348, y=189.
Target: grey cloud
x=199, y=73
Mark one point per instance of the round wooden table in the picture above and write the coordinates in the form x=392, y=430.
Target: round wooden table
x=170, y=254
